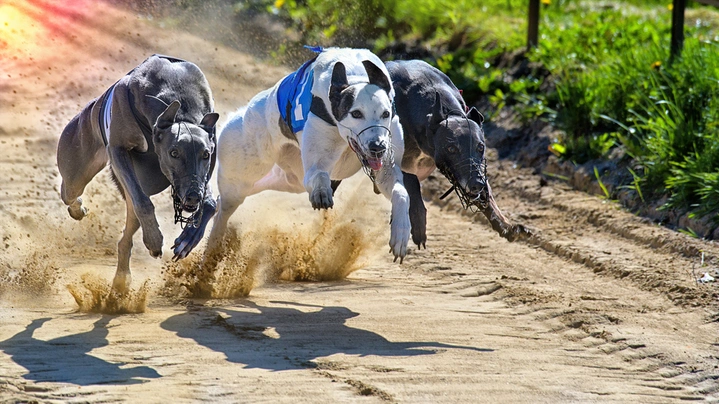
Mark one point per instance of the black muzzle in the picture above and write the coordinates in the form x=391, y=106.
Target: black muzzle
x=475, y=196
x=191, y=204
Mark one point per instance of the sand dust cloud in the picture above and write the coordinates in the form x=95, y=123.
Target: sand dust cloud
x=278, y=237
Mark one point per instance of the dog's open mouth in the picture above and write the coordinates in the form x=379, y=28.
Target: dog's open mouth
x=369, y=160
x=373, y=163
x=194, y=215
x=190, y=208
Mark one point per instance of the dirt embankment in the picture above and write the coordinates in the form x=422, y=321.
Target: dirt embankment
x=599, y=306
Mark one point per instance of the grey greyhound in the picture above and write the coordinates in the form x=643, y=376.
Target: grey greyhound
x=441, y=132
x=156, y=128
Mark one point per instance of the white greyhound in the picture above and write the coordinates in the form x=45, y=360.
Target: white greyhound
x=317, y=126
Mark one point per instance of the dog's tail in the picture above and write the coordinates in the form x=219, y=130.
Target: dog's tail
x=117, y=182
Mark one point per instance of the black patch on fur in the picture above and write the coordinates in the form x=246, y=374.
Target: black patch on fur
x=342, y=103
x=286, y=130
x=318, y=108
x=337, y=95
x=334, y=184
x=376, y=76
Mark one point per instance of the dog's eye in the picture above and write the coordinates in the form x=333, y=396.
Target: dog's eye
x=206, y=154
x=356, y=114
x=174, y=154
x=385, y=115
x=452, y=149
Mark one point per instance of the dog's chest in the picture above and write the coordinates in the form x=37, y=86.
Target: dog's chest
x=346, y=166
x=421, y=165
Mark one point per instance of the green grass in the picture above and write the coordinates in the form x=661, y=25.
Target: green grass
x=601, y=73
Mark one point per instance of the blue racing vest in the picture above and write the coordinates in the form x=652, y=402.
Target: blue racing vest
x=294, y=96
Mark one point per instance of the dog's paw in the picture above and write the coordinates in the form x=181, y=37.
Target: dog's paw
x=186, y=242
x=418, y=219
x=321, y=198
x=76, y=210
x=518, y=232
x=153, y=241
x=77, y=214
x=121, y=282
x=399, y=237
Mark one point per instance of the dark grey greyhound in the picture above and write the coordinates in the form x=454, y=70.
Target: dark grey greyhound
x=156, y=127
x=441, y=132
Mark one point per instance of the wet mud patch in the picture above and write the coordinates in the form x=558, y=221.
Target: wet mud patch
x=95, y=295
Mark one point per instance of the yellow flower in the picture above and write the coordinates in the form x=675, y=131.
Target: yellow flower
x=546, y=2
x=671, y=6
x=279, y=3
x=656, y=65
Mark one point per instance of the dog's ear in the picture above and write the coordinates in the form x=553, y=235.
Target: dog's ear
x=339, y=81
x=377, y=76
x=437, y=114
x=209, y=121
x=167, y=117
x=476, y=116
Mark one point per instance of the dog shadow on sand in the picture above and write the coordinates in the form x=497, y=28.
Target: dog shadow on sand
x=67, y=359
x=282, y=338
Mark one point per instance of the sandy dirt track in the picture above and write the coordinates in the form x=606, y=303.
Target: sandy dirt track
x=598, y=306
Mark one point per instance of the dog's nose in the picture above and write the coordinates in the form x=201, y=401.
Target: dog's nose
x=376, y=147
x=192, y=200
x=477, y=188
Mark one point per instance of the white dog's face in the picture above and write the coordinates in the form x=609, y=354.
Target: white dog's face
x=364, y=113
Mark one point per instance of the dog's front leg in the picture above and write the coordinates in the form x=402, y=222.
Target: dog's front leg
x=391, y=183
x=321, y=149
x=191, y=236
x=141, y=203
x=123, y=277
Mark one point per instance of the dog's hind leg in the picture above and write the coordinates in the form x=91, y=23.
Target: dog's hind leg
x=80, y=156
x=123, y=277
x=229, y=201
x=235, y=183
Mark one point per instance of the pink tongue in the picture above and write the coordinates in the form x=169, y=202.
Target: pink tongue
x=375, y=164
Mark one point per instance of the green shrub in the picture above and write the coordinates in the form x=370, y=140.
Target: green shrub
x=601, y=73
